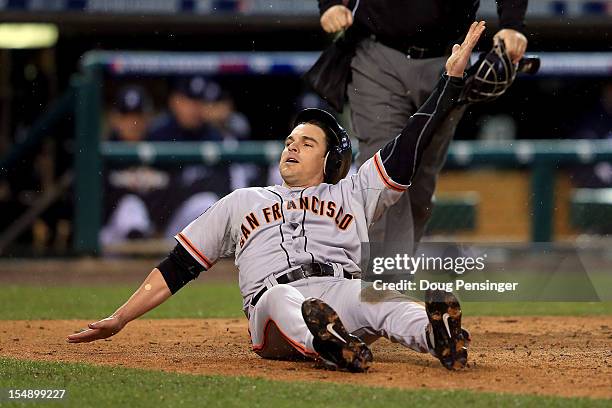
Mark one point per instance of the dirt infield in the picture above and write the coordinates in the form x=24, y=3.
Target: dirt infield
x=563, y=356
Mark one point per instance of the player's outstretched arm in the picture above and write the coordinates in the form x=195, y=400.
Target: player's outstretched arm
x=401, y=156
x=171, y=274
x=151, y=293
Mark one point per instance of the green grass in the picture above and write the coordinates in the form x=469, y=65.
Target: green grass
x=197, y=301
x=215, y=300
x=88, y=385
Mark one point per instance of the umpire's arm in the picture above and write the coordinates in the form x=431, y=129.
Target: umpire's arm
x=511, y=20
x=402, y=155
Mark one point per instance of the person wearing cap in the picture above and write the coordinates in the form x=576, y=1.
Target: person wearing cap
x=138, y=203
x=130, y=114
x=183, y=122
x=128, y=189
x=219, y=111
x=193, y=186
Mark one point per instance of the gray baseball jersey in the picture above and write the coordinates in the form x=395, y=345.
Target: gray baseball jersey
x=273, y=229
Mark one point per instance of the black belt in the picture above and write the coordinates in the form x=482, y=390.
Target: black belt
x=411, y=51
x=304, y=271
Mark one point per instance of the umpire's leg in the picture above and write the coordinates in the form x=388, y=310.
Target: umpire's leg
x=387, y=88
x=424, y=182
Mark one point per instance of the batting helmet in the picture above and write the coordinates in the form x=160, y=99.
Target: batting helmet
x=493, y=73
x=339, y=153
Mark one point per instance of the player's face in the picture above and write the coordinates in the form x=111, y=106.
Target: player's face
x=302, y=160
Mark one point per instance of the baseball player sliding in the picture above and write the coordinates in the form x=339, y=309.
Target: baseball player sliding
x=298, y=246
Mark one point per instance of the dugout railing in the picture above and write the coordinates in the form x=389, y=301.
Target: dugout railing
x=542, y=157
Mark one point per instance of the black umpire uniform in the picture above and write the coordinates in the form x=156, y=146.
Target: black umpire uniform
x=388, y=61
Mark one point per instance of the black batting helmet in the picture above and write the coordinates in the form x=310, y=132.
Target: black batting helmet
x=339, y=153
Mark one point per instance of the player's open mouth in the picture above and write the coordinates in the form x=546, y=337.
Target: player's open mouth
x=291, y=160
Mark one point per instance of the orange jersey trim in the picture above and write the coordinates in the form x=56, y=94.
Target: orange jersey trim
x=186, y=242
x=383, y=175
x=293, y=343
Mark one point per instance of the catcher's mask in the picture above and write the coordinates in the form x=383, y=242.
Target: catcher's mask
x=339, y=153
x=493, y=73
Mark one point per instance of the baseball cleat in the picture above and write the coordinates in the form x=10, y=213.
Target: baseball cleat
x=337, y=348
x=445, y=336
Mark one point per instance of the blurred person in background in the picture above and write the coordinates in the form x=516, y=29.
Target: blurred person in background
x=220, y=113
x=146, y=202
x=184, y=121
x=129, y=190
x=596, y=124
x=130, y=115
x=191, y=187
x=387, y=60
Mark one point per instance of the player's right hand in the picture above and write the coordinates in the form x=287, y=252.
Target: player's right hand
x=456, y=63
x=98, y=330
x=336, y=18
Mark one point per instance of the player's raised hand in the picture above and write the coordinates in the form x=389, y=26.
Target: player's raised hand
x=456, y=63
x=99, y=330
x=336, y=18
x=514, y=41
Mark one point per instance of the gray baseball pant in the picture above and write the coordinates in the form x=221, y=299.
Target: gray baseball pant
x=278, y=330
x=387, y=87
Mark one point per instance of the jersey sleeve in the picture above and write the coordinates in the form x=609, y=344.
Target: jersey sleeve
x=209, y=237
x=372, y=187
x=512, y=13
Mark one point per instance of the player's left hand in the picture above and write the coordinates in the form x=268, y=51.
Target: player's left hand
x=456, y=63
x=515, y=42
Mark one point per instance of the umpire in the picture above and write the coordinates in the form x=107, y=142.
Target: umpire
x=388, y=59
